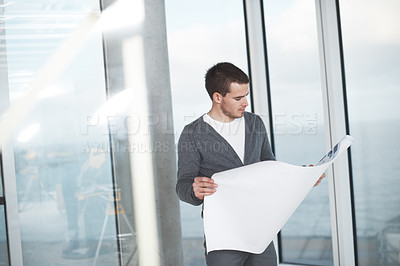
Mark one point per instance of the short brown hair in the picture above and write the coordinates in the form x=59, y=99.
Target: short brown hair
x=220, y=76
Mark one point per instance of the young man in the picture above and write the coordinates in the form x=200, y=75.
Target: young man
x=226, y=137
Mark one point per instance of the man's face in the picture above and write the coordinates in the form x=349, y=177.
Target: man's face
x=234, y=102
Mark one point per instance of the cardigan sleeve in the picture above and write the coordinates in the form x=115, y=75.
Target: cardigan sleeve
x=266, y=152
x=188, y=167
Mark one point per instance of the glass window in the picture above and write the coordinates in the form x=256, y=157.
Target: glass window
x=62, y=162
x=3, y=239
x=295, y=83
x=371, y=43
x=200, y=34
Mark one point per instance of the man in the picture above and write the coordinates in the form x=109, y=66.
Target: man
x=226, y=137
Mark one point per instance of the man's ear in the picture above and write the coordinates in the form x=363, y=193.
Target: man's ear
x=217, y=97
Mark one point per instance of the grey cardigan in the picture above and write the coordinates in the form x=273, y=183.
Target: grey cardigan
x=202, y=151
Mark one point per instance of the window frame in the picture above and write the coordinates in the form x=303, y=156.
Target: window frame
x=335, y=113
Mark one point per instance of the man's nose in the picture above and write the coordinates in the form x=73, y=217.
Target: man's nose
x=245, y=102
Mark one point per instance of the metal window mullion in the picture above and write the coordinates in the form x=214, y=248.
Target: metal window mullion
x=103, y=4
x=335, y=127
x=257, y=58
x=258, y=71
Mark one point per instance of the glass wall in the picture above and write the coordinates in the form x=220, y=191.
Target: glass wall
x=62, y=158
x=200, y=34
x=296, y=96
x=371, y=43
x=3, y=232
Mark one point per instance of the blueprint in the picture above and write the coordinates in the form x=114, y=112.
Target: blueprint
x=253, y=202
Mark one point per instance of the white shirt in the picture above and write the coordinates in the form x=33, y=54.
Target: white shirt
x=233, y=132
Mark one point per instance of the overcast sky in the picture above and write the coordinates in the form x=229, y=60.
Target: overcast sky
x=199, y=36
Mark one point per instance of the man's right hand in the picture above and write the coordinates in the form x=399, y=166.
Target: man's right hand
x=203, y=186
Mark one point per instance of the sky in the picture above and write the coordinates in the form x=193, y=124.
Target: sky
x=201, y=33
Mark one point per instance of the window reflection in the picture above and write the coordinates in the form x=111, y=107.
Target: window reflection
x=295, y=84
x=62, y=162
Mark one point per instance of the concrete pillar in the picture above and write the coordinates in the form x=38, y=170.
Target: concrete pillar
x=159, y=91
x=161, y=128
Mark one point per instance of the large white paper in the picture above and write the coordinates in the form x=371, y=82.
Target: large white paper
x=252, y=203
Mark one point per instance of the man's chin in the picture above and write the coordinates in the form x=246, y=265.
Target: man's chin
x=239, y=114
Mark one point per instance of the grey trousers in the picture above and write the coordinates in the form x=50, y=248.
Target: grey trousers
x=240, y=258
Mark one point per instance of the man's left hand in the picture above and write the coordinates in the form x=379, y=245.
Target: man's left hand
x=320, y=179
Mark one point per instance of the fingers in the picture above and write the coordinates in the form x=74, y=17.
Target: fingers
x=203, y=179
x=203, y=186
x=317, y=183
x=320, y=179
